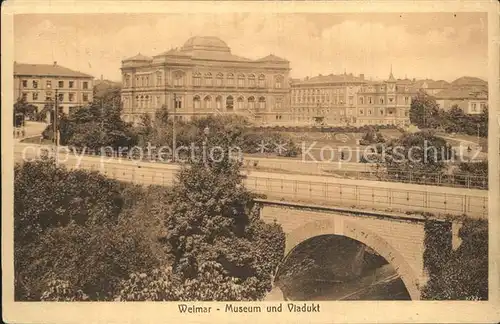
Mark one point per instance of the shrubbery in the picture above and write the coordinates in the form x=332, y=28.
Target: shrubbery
x=460, y=274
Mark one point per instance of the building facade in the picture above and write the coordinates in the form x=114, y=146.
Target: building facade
x=37, y=84
x=471, y=102
x=203, y=78
x=350, y=100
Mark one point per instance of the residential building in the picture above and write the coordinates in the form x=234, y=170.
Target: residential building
x=350, y=100
x=37, y=84
x=431, y=87
x=471, y=101
x=202, y=78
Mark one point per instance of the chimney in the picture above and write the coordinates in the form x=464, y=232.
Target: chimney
x=320, y=74
x=101, y=77
x=362, y=76
x=55, y=63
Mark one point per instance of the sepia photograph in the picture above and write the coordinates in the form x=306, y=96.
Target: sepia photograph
x=266, y=161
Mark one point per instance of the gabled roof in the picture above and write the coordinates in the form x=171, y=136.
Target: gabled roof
x=138, y=57
x=47, y=70
x=271, y=58
x=332, y=78
x=461, y=93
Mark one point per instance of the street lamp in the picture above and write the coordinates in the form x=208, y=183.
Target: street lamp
x=173, y=129
x=54, y=122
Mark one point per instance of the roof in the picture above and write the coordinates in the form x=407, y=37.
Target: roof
x=271, y=58
x=47, y=70
x=469, y=81
x=332, y=78
x=138, y=57
x=206, y=48
x=461, y=93
x=205, y=43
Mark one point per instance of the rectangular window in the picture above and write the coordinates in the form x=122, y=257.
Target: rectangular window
x=35, y=84
x=25, y=96
x=71, y=84
x=85, y=85
x=35, y=95
x=25, y=83
x=60, y=97
x=61, y=84
x=85, y=97
x=48, y=83
x=71, y=97
x=406, y=100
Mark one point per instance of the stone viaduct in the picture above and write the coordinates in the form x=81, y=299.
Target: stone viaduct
x=398, y=238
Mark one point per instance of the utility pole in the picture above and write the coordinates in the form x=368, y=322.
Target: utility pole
x=173, y=129
x=56, y=137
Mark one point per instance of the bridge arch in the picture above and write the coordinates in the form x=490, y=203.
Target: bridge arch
x=354, y=231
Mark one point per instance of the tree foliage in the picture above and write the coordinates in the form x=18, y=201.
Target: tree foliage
x=70, y=235
x=424, y=111
x=463, y=273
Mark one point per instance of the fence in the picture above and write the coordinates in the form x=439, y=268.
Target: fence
x=358, y=171
x=433, y=200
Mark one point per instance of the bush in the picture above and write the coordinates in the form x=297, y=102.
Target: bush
x=460, y=274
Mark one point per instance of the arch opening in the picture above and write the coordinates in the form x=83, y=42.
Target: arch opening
x=337, y=267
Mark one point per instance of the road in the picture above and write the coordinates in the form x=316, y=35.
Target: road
x=315, y=189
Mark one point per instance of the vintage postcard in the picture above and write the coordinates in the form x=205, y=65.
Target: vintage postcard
x=225, y=161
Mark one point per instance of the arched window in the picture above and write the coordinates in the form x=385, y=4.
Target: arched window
x=361, y=100
x=240, y=103
x=251, y=81
x=241, y=80
x=262, y=81
x=208, y=79
x=218, y=81
x=382, y=101
x=251, y=103
x=141, y=102
x=196, y=102
x=146, y=103
x=230, y=79
x=137, y=102
x=277, y=104
x=158, y=79
x=197, y=79
x=278, y=81
x=178, y=79
x=207, y=102
x=127, y=81
x=229, y=103
x=262, y=103
x=369, y=111
x=137, y=81
x=218, y=103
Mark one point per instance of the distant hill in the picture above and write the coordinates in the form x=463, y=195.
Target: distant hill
x=467, y=81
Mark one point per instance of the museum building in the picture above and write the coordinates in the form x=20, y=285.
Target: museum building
x=204, y=78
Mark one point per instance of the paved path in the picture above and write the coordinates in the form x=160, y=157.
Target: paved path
x=302, y=188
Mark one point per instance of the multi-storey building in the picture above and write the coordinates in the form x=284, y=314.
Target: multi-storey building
x=203, y=77
x=471, y=101
x=350, y=100
x=37, y=84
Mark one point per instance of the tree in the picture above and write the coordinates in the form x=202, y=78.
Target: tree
x=461, y=274
x=23, y=109
x=418, y=155
x=424, y=111
x=76, y=234
x=220, y=248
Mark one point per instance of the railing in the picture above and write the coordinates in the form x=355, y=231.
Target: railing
x=349, y=170
x=433, y=200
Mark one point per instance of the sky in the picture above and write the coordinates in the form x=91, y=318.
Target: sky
x=417, y=45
